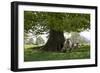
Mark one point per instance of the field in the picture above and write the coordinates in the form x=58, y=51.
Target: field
x=32, y=53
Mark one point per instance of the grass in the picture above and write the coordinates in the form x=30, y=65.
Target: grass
x=34, y=54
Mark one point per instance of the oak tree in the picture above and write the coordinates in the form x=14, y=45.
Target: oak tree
x=55, y=23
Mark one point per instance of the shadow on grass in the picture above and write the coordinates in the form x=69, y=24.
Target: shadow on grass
x=37, y=54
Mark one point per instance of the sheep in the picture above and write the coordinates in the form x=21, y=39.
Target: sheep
x=69, y=45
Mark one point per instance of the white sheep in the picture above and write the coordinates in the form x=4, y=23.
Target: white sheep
x=67, y=45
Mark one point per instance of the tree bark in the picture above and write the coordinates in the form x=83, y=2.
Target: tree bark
x=55, y=41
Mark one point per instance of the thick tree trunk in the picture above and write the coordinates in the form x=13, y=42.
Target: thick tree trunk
x=55, y=41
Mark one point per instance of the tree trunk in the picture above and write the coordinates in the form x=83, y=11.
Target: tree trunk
x=55, y=41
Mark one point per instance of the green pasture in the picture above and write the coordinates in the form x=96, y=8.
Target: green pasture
x=33, y=53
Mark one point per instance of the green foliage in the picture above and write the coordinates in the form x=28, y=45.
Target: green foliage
x=44, y=21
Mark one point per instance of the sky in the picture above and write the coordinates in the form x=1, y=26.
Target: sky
x=86, y=34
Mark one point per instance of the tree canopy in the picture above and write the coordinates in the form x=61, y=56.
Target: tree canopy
x=40, y=22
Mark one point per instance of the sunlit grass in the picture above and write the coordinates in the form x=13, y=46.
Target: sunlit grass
x=32, y=54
